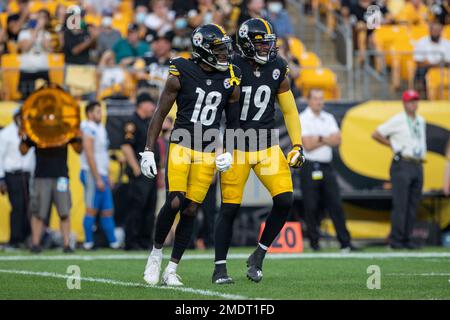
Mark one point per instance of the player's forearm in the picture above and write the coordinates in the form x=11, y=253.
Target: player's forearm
x=291, y=118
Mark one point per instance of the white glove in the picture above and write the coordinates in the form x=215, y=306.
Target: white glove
x=148, y=164
x=223, y=162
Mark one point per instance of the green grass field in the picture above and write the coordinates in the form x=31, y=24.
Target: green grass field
x=107, y=274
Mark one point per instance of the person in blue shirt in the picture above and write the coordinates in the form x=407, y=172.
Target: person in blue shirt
x=279, y=18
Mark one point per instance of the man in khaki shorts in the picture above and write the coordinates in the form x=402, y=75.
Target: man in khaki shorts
x=50, y=185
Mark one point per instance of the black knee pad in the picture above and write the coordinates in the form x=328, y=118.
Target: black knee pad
x=283, y=202
x=229, y=210
x=190, y=208
x=175, y=200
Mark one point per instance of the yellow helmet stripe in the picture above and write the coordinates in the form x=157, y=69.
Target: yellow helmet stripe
x=266, y=24
x=221, y=29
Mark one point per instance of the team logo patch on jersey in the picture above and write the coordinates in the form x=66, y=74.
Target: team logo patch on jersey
x=276, y=74
x=227, y=83
x=243, y=31
x=208, y=82
x=197, y=39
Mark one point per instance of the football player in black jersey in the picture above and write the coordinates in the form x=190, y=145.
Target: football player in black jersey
x=202, y=88
x=264, y=80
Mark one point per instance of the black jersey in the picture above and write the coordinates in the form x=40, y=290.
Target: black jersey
x=200, y=101
x=259, y=88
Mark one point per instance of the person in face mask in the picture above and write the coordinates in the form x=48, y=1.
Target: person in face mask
x=181, y=40
x=430, y=51
x=280, y=18
x=107, y=37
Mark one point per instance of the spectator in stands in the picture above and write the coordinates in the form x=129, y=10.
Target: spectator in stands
x=362, y=33
x=34, y=44
x=50, y=186
x=94, y=176
x=253, y=9
x=112, y=76
x=161, y=18
x=207, y=11
x=140, y=15
x=158, y=63
x=430, y=52
x=181, y=35
x=130, y=48
x=78, y=42
x=101, y=7
x=279, y=18
x=405, y=134
x=15, y=171
x=320, y=133
x=18, y=21
x=142, y=191
x=441, y=11
x=413, y=12
x=107, y=37
x=3, y=41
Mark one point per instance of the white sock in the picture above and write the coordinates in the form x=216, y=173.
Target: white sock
x=221, y=262
x=156, y=252
x=263, y=246
x=172, y=266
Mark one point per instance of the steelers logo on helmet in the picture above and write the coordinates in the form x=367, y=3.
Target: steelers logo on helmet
x=197, y=39
x=227, y=83
x=243, y=30
x=276, y=74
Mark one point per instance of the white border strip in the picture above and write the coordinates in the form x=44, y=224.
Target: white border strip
x=282, y=256
x=201, y=292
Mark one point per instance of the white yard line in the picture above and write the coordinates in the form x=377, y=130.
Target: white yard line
x=201, y=292
x=282, y=256
x=430, y=274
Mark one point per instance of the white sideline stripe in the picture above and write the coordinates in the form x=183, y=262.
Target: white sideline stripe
x=282, y=256
x=129, y=284
x=431, y=274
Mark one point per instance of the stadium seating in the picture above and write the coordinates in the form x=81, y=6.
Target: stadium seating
x=438, y=84
x=320, y=78
x=402, y=62
x=10, y=75
x=296, y=47
x=56, y=65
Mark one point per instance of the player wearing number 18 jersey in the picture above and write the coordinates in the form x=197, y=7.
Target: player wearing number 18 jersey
x=264, y=80
x=202, y=87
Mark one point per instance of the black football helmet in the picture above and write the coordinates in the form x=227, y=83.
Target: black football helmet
x=212, y=45
x=256, y=40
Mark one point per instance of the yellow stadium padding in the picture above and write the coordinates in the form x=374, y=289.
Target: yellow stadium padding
x=373, y=160
x=446, y=32
x=385, y=36
x=416, y=32
x=402, y=62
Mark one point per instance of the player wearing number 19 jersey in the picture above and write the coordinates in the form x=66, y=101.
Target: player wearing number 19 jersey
x=264, y=80
x=202, y=87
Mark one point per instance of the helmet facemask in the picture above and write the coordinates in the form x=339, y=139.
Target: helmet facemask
x=265, y=49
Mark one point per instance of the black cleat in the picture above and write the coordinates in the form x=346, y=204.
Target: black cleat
x=254, y=265
x=36, y=249
x=68, y=249
x=220, y=275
